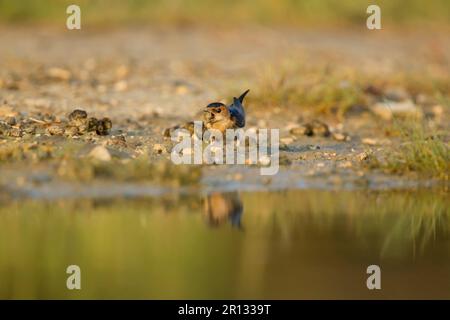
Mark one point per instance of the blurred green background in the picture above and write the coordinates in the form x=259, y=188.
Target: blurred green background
x=227, y=12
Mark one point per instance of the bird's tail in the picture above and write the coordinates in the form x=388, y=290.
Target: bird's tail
x=241, y=98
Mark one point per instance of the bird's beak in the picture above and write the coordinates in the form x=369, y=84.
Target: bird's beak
x=208, y=114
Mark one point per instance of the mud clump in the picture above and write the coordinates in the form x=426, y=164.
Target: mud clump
x=103, y=127
x=80, y=123
x=10, y=131
x=77, y=117
x=313, y=128
x=189, y=126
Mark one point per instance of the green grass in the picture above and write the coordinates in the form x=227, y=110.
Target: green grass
x=324, y=90
x=422, y=150
x=226, y=12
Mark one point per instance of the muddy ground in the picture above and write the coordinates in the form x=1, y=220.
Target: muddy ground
x=146, y=80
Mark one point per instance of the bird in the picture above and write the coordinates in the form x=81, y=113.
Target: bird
x=218, y=116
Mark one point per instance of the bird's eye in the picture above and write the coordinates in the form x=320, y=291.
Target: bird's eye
x=218, y=110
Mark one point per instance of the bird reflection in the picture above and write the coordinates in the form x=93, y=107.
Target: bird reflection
x=219, y=208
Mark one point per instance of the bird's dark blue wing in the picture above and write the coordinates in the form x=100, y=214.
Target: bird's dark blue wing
x=237, y=112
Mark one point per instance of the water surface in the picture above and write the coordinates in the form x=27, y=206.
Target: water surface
x=286, y=244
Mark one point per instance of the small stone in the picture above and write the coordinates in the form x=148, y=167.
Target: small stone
x=181, y=90
x=300, y=131
x=15, y=133
x=100, y=153
x=48, y=118
x=313, y=147
x=287, y=140
x=338, y=136
x=159, y=149
x=59, y=73
x=121, y=86
x=4, y=128
x=369, y=141
x=387, y=110
x=82, y=127
x=345, y=164
x=55, y=130
x=166, y=133
x=11, y=121
x=363, y=156
x=437, y=110
x=30, y=129
x=264, y=160
x=396, y=94
x=122, y=71
x=319, y=128
x=118, y=141
x=71, y=131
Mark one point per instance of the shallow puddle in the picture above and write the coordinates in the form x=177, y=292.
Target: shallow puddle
x=286, y=244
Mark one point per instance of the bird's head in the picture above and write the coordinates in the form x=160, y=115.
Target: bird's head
x=215, y=112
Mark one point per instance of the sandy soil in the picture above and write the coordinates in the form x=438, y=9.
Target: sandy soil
x=146, y=80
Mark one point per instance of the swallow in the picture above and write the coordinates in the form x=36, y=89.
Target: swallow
x=218, y=116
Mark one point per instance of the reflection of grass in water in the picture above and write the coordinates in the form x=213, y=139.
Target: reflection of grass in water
x=402, y=221
x=162, y=248
x=226, y=12
x=418, y=226
x=139, y=169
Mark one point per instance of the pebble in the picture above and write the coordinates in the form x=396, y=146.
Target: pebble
x=345, y=164
x=71, y=131
x=11, y=121
x=396, y=94
x=387, y=110
x=100, y=153
x=264, y=160
x=121, y=86
x=338, y=136
x=299, y=131
x=159, y=148
x=118, y=141
x=59, y=74
x=369, y=141
x=15, y=133
x=287, y=140
x=437, y=110
x=363, y=156
x=313, y=147
x=55, y=130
